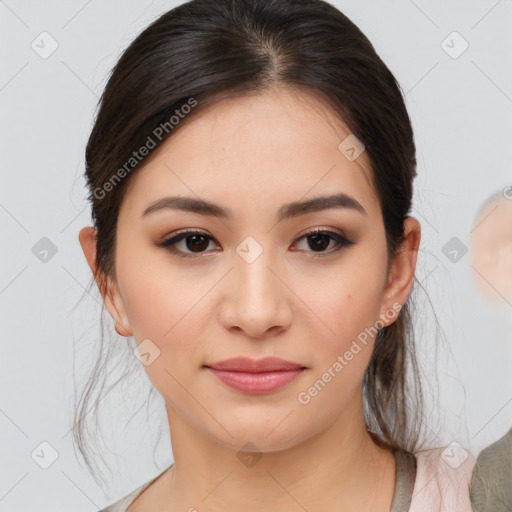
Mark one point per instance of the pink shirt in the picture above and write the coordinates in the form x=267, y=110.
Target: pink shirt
x=443, y=480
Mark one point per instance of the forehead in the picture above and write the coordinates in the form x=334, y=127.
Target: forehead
x=281, y=145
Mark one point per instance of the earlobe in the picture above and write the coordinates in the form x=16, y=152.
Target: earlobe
x=403, y=267
x=110, y=295
x=115, y=306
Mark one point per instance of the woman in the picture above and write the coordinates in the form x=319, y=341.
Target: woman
x=250, y=173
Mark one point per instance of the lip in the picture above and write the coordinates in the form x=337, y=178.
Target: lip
x=245, y=364
x=256, y=376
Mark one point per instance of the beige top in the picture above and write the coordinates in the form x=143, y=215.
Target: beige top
x=425, y=482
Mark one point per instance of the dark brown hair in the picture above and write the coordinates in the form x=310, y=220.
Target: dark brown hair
x=203, y=50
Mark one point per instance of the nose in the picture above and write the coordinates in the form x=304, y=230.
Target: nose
x=256, y=300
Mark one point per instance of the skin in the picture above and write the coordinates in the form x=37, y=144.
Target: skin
x=491, y=249
x=253, y=154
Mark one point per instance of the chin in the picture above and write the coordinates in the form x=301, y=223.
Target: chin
x=251, y=436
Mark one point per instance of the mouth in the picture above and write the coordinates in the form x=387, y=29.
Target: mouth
x=248, y=365
x=256, y=376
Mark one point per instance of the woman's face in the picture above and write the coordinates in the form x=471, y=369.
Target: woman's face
x=253, y=284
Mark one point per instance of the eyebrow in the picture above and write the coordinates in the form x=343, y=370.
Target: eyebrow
x=287, y=211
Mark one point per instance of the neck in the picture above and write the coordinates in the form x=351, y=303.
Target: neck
x=341, y=465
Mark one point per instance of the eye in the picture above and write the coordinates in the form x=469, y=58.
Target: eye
x=321, y=238
x=197, y=242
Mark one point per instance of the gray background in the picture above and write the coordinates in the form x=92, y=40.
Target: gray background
x=462, y=114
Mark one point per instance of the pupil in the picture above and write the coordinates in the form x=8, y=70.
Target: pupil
x=321, y=236
x=197, y=243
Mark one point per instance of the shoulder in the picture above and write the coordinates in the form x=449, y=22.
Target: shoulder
x=123, y=504
x=490, y=486
x=443, y=479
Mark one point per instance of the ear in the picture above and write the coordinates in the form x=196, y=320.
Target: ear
x=401, y=271
x=106, y=284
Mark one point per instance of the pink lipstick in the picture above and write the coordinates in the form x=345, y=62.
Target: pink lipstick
x=256, y=376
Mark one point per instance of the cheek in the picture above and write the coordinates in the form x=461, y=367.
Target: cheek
x=347, y=305
x=162, y=303
x=349, y=299
x=342, y=354
x=165, y=308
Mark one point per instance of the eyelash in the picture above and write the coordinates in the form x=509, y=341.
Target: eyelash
x=168, y=243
